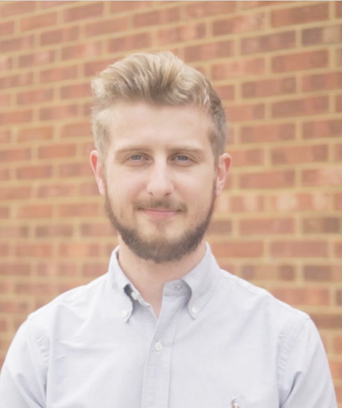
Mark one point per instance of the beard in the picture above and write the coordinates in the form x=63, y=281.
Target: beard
x=161, y=249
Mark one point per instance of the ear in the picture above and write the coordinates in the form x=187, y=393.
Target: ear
x=98, y=169
x=223, y=166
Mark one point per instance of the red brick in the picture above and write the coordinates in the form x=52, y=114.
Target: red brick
x=221, y=227
x=238, y=68
x=322, y=82
x=114, y=25
x=252, y=157
x=338, y=249
x=79, y=210
x=129, y=43
x=317, y=201
x=241, y=113
x=94, y=67
x=57, y=190
x=209, y=51
x=303, y=296
x=182, y=33
x=338, y=103
x=35, y=96
x=40, y=133
x=37, y=59
x=94, y=270
x=338, y=153
x=16, y=80
x=40, y=21
x=337, y=342
x=59, y=36
x=75, y=170
x=4, y=174
x=336, y=369
x=240, y=24
x=34, y=250
x=81, y=129
x=266, y=226
x=237, y=249
x=79, y=250
x=226, y=92
x=34, y=289
x=34, y=172
x=7, y=28
x=14, y=232
x=339, y=297
x=268, y=87
x=301, y=107
x=6, y=64
x=299, y=249
x=35, y=211
x=322, y=35
x=4, y=211
x=157, y=17
x=16, y=117
x=97, y=230
x=269, y=42
x=87, y=189
x=127, y=6
x=4, y=250
x=321, y=225
x=56, y=269
x=322, y=177
x=17, y=7
x=76, y=91
x=5, y=100
x=240, y=204
x=15, y=155
x=267, y=179
x=322, y=129
x=54, y=231
x=300, y=15
x=300, y=61
x=338, y=201
x=267, y=133
x=58, y=74
x=17, y=44
x=57, y=152
x=58, y=112
x=83, y=12
x=5, y=136
x=44, y=4
x=200, y=9
x=15, y=193
x=81, y=51
x=257, y=3
x=14, y=307
x=338, y=9
x=317, y=273
x=268, y=272
x=299, y=154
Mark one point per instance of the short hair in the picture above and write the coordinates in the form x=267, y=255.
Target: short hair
x=157, y=79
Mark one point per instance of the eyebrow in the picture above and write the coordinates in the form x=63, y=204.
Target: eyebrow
x=142, y=148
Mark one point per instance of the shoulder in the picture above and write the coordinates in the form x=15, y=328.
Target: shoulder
x=259, y=305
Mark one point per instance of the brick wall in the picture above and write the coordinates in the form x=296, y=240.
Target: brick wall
x=276, y=65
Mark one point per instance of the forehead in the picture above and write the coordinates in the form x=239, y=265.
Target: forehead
x=137, y=123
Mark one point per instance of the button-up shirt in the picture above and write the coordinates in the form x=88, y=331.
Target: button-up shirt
x=219, y=342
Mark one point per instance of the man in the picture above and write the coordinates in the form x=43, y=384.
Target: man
x=165, y=327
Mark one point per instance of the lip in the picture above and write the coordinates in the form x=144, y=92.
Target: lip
x=159, y=214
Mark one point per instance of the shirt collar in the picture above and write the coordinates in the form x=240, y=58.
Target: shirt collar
x=201, y=281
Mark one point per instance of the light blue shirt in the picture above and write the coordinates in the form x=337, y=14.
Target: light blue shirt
x=218, y=341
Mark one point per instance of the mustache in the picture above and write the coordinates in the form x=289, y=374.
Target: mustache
x=160, y=204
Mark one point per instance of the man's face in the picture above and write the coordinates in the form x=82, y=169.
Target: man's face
x=160, y=180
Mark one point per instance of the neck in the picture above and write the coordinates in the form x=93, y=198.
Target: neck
x=149, y=278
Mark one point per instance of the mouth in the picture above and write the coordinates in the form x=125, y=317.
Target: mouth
x=159, y=213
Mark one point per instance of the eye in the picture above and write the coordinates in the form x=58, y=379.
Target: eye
x=182, y=158
x=136, y=157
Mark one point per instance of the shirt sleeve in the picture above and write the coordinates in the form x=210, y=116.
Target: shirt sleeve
x=23, y=375
x=306, y=381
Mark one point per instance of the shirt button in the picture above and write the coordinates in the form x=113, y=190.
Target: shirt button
x=194, y=310
x=158, y=346
x=124, y=313
x=134, y=295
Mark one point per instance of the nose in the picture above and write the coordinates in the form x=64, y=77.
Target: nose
x=160, y=182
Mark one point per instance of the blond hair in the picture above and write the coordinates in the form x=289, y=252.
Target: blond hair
x=157, y=79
